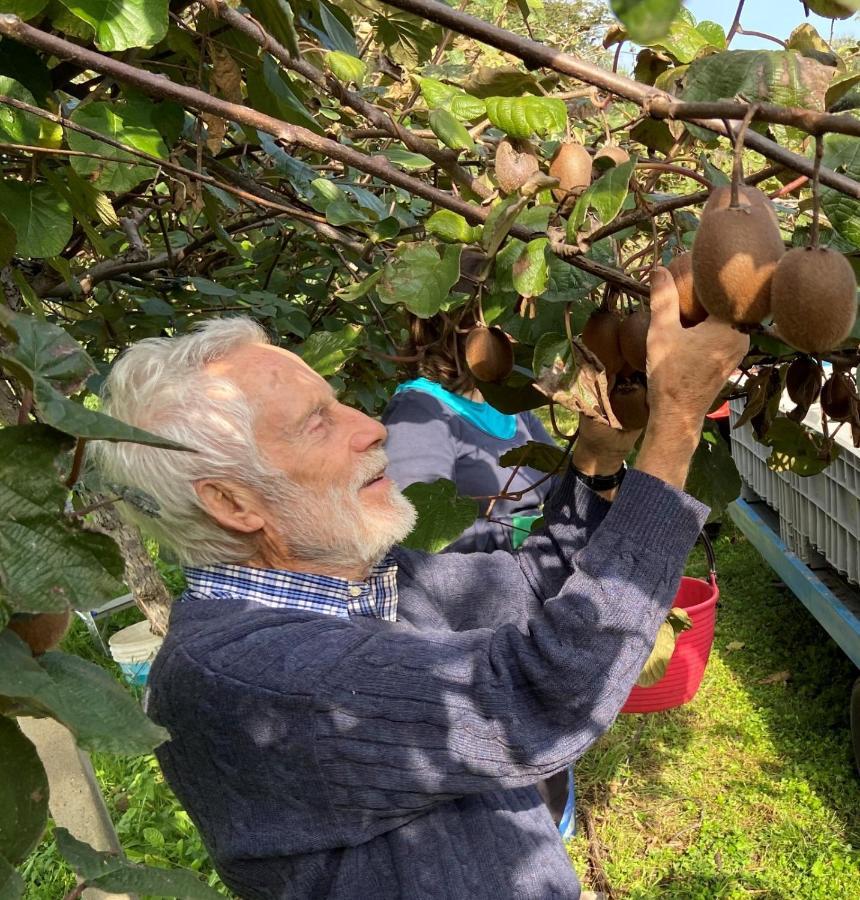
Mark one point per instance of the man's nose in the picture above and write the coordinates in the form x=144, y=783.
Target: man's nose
x=368, y=433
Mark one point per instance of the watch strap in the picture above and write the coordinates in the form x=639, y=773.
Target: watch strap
x=601, y=482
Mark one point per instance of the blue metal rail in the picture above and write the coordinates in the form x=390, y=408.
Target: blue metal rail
x=838, y=615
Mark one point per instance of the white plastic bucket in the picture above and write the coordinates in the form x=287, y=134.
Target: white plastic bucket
x=134, y=649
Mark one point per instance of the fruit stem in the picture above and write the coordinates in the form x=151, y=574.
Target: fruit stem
x=737, y=167
x=816, y=191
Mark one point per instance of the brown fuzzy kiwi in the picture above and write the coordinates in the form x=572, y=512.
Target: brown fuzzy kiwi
x=735, y=253
x=814, y=299
x=489, y=354
x=692, y=312
x=721, y=198
x=629, y=401
x=803, y=381
x=516, y=162
x=608, y=156
x=571, y=165
x=633, y=338
x=837, y=396
x=600, y=335
x=830, y=9
x=42, y=631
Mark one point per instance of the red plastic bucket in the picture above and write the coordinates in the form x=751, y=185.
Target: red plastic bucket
x=687, y=665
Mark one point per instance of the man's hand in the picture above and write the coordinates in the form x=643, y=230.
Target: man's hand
x=687, y=367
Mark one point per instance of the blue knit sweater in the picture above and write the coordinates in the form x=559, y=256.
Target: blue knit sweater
x=359, y=759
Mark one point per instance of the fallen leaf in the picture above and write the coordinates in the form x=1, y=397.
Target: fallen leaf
x=735, y=645
x=776, y=678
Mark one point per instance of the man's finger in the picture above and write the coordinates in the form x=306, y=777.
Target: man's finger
x=665, y=312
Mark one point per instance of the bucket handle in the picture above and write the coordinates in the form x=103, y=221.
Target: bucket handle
x=709, y=552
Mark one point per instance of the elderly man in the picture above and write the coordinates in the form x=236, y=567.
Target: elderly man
x=349, y=719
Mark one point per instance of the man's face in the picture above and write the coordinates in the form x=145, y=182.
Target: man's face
x=338, y=500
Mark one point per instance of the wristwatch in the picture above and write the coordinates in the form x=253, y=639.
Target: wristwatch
x=601, y=482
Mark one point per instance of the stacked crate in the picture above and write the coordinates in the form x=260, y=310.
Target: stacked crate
x=821, y=511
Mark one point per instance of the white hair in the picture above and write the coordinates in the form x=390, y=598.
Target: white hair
x=162, y=386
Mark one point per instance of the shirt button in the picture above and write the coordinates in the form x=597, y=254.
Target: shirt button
x=355, y=591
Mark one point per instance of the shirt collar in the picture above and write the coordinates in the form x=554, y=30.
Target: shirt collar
x=375, y=596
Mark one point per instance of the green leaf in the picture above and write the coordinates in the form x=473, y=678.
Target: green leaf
x=842, y=83
x=500, y=221
x=130, y=124
x=568, y=283
x=714, y=478
x=713, y=32
x=798, y=449
x=339, y=37
x=531, y=269
x=50, y=363
x=11, y=883
x=87, y=201
x=17, y=127
x=112, y=873
x=122, y=24
x=327, y=351
x=515, y=394
x=549, y=348
x=101, y=714
x=450, y=130
x=442, y=515
x=646, y=20
x=606, y=196
x=8, y=241
x=685, y=41
x=271, y=91
x=277, y=18
x=406, y=159
x=782, y=77
x=500, y=82
x=452, y=227
x=535, y=455
x=346, y=67
x=26, y=9
x=438, y=95
x=75, y=567
x=522, y=117
x=41, y=218
x=806, y=40
x=843, y=154
x=418, y=278
x=23, y=793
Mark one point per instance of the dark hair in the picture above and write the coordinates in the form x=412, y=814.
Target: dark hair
x=439, y=344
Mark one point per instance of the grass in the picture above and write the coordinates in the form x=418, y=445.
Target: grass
x=748, y=791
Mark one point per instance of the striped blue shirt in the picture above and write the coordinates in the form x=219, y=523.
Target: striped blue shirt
x=376, y=596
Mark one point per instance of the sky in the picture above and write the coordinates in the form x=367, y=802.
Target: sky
x=776, y=17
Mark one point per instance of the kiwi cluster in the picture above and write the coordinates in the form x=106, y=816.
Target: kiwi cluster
x=621, y=344
x=574, y=167
x=741, y=273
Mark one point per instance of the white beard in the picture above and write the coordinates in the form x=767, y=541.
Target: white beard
x=335, y=525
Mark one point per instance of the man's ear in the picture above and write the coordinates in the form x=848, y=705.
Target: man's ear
x=230, y=505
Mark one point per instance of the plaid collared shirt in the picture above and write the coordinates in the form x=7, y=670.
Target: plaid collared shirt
x=377, y=596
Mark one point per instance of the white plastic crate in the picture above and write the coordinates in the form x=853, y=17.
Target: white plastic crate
x=822, y=511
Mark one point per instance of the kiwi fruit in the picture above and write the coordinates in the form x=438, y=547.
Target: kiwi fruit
x=830, y=9
x=42, y=631
x=608, y=156
x=814, y=299
x=471, y=264
x=600, y=335
x=692, y=312
x=489, y=354
x=633, y=338
x=735, y=253
x=516, y=162
x=803, y=381
x=571, y=165
x=629, y=402
x=837, y=397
